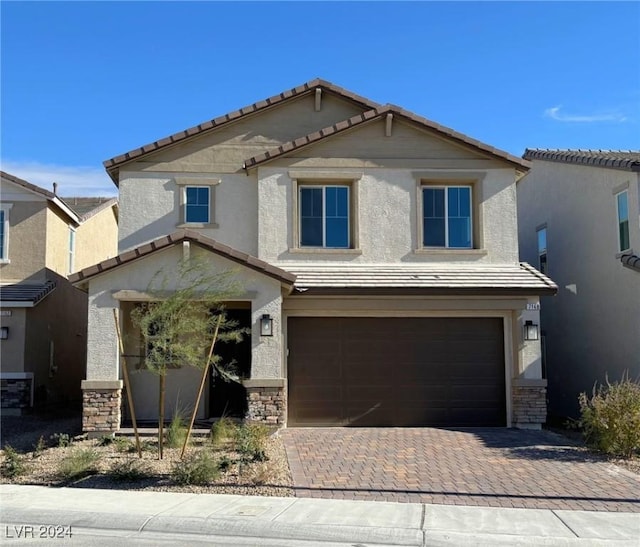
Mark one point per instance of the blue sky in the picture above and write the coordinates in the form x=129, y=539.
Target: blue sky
x=85, y=81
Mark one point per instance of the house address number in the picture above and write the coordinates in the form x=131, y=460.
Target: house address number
x=533, y=307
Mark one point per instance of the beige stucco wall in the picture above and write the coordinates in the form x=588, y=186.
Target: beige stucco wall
x=236, y=209
x=27, y=242
x=102, y=359
x=55, y=343
x=388, y=218
x=228, y=147
x=57, y=237
x=593, y=324
x=12, y=349
x=96, y=239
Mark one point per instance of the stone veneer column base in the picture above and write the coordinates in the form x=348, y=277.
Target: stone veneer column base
x=529, y=403
x=101, y=401
x=267, y=401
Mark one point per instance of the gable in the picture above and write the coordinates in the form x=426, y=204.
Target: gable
x=225, y=149
x=406, y=142
x=16, y=192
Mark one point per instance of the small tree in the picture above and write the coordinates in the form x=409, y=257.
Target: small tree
x=177, y=326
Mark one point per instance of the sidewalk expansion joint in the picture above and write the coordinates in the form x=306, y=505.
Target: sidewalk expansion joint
x=553, y=511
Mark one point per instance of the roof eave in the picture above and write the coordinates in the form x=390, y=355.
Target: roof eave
x=425, y=291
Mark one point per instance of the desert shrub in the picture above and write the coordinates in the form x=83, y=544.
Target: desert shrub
x=39, y=447
x=130, y=470
x=124, y=444
x=610, y=418
x=78, y=464
x=259, y=474
x=199, y=468
x=13, y=464
x=223, y=431
x=176, y=431
x=225, y=463
x=106, y=440
x=250, y=441
x=60, y=440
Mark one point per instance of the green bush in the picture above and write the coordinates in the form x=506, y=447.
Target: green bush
x=199, y=469
x=223, y=431
x=61, y=440
x=130, y=470
x=78, y=464
x=176, y=432
x=610, y=418
x=39, y=447
x=13, y=464
x=250, y=440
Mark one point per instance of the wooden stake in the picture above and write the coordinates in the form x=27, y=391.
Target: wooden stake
x=161, y=415
x=202, y=383
x=127, y=384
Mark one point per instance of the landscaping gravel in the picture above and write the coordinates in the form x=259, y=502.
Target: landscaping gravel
x=262, y=478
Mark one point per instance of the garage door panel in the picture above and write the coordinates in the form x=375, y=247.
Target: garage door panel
x=396, y=371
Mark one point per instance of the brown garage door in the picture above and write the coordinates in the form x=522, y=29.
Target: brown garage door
x=396, y=371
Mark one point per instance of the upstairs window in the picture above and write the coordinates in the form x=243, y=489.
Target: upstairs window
x=197, y=204
x=622, y=205
x=447, y=221
x=4, y=232
x=2, y=237
x=72, y=249
x=324, y=216
x=542, y=249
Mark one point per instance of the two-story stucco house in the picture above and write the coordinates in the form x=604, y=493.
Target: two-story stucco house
x=43, y=322
x=378, y=252
x=579, y=222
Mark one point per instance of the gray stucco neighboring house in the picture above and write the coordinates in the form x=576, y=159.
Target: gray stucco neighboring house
x=579, y=222
x=380, y=247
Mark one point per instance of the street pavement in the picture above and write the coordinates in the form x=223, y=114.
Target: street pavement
x=87, y=517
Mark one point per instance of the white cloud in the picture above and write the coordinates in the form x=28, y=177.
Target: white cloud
x=555, y=114
x=72, y=180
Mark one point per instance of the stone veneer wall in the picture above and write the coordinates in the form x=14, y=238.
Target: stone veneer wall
x=101, y=403
x=266, y=405
x=15, y=394
x=529, y=403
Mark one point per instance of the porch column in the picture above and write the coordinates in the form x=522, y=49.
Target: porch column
x=102, y=388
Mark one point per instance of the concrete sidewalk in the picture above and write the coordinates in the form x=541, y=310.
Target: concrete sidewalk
x=287, y=521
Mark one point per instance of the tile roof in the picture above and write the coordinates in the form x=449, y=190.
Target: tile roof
x=631, y=261
x=377, y=114
x=27, y=185
x=627, y=160
x=88, y=207
x=173, y=239
x=304, y=89
x=82, y=207
x=27, y=293
x=421, y=279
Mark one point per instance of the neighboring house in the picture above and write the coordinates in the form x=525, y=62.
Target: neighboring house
x=379, y=258
x=44, y=238
x=579, y=222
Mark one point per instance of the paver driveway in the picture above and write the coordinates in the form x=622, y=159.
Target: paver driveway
x=492, y=467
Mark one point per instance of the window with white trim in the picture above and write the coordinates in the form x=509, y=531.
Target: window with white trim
x=541, y=234
x=622, y=207
x=4, y=232
x=197, y=204
x=72, y=249
x=324, y=216
x=447, y=217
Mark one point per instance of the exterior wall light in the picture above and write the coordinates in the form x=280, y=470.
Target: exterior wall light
x=4, y=333
x=531, y=331
x=266, y=325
